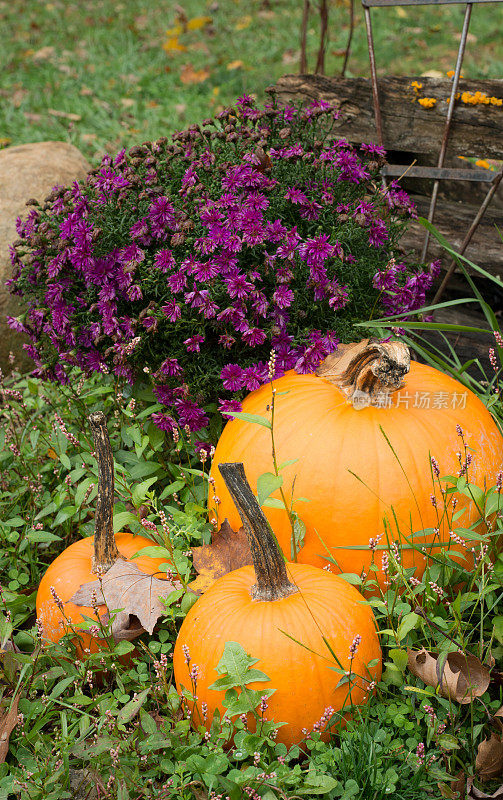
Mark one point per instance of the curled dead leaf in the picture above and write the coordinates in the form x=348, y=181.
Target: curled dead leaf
x=477, y=794
x=498, y=718
x=228, y=550
x=139, y=595
x=461, y=677
x=8, y=722
x=489, y=759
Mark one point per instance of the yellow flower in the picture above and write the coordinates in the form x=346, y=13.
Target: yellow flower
x=427, y=102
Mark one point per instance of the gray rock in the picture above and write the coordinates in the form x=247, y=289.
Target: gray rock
x=27, y=171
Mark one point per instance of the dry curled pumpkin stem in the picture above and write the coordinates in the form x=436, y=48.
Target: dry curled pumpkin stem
x=269, y=564
x=105, y=548
x=366, y=370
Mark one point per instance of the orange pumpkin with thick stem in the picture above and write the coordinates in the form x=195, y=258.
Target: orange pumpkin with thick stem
x=359, y=465
x=79, y=563
x=292, y=618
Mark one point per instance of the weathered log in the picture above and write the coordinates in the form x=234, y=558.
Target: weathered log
x=453, y=221
x=466, y=345
x=477, y=130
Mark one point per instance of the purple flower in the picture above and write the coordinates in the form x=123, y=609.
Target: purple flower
x=193, y=343
x=164, y=422
x=237, y=285
x=226, y=341
x=251, y=378
x=190, y=414
x=164, y=260
x=253, y=336
x=170, y=366
x=316, y=251
x=227, y=406
x=134, y=293
x=378, y=233
x=373, y=149
x=232, y=377
x=283, y=296
x=172, y=311
x=296, y=196
x=164, y=394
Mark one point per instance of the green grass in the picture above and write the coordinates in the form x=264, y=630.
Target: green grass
x=104, y=61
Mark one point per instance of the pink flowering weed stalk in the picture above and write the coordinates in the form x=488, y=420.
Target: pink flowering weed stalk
x=191, y=260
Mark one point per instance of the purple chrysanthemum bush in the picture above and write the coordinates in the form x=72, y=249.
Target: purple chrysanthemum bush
x=188, y=261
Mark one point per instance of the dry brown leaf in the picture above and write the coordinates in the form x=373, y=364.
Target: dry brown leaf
x=8, y=722
x=477, y=794
x=489, y=759
x=228, y=550
x=290, y=56
x=64, y=114
x=124, y=586
x=18, y=96
x=44, y=53
x=462, y=678
x=32, y=117
x=238, y=64
x=498, y=718
x=190, y=75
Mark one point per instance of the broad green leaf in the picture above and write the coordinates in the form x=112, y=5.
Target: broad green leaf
x=273, y=502
x=255, y=419
x=123, y=518
x=63, y=514
x=399, y=658
x=288, y=462
x=82, y=489
x=407, y=624
x=298, y=536
x=267, y=483
x=140, y=491
x=130, y=710
x=234, y=666
x=42, y=536
x=498, y=628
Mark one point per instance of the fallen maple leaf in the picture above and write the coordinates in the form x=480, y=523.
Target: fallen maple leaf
x=462, y=678
x=124, y=586
x=172, y=45
x=228, y=550
x=8, y=722
x=196, y=23
x=190, y=75
x=489, y=759
x=243, y=23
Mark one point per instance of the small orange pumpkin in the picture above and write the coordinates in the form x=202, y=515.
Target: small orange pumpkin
x=79, y=563
x=363, y=453
x=288, y=616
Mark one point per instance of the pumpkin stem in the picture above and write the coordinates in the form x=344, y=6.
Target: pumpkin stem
x=105, y=548
x=367, y=372
x=272, y=581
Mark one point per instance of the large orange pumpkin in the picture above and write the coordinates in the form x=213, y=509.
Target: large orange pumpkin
x=288, y=616
x=360, y=464
x=79, y=563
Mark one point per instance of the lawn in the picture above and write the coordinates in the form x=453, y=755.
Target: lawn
x=104, y=75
